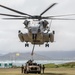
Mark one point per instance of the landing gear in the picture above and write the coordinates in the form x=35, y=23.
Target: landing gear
x=53, y=32
x=47, y=45
x=26, y=45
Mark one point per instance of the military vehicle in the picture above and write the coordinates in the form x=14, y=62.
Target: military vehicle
x=31, y=67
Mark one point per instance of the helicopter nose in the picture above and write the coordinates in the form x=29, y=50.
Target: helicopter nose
x=34, y=30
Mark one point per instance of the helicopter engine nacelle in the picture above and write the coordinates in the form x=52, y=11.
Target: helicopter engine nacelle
x=45, y=23
x=26, y=23
x=51, y=36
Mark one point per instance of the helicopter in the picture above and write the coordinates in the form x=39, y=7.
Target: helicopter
x=38, y=29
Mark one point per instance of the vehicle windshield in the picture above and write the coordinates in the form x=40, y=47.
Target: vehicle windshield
x=32, y=64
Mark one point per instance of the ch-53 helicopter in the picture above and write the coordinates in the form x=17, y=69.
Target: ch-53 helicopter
x=38, y=30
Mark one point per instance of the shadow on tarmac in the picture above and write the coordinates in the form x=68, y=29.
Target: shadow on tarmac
x=53, y=74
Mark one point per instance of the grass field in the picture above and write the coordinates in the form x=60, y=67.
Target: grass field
x=48, y=71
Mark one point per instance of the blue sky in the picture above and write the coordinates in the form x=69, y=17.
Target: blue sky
x=64, y=30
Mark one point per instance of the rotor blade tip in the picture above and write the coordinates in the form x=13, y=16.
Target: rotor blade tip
x=55, y=3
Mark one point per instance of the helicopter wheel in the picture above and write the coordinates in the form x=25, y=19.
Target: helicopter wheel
x=26, y=45
x=47, y=45
x=53, y=32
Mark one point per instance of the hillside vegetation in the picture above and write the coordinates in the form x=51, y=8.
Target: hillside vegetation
x=65, y=65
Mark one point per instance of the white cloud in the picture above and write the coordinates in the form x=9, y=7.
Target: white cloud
x=12, y=2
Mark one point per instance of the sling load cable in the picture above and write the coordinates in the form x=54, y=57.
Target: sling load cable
x=32, y=51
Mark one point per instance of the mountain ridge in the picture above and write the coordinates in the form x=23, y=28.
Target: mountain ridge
x=39, y=55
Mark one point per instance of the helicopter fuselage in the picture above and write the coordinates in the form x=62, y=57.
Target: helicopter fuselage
x=37, y=34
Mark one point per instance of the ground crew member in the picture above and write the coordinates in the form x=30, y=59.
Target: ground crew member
x=22, y=69
x=43, y=68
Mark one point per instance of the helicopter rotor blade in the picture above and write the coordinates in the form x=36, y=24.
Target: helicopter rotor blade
x=61, y=15
x=23, y=18
x=48, y=8
x=11, y=15
x=14, y=10
x=61, y=19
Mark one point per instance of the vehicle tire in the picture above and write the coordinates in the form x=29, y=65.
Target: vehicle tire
x=46, y=45
x=39, y=72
